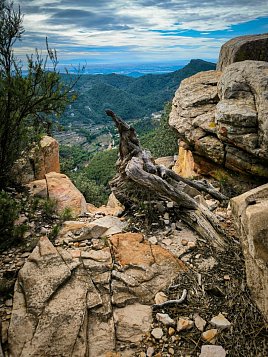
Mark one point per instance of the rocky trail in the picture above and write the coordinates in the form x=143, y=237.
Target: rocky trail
x=98, y=289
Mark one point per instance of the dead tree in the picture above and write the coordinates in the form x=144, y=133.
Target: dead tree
x=136, y=170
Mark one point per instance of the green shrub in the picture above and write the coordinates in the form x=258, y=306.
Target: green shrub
x=54, y=232
x=94, y=193
x=9, y=212
x=162, y=141
x=49, y=207
x=66, y=215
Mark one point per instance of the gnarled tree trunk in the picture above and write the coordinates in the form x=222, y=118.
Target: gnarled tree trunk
x=137, y=171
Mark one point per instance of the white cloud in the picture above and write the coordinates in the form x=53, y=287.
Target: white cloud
x=143, y=24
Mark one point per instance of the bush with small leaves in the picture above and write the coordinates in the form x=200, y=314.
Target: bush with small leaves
x=9, y=212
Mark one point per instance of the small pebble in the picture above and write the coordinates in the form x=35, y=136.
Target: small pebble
x=210, y=335
x=212, y=351
x=9, y=303
x=220, y=322
x=191, y=245
x=25, y=255
x=171, y=351
x=184, y=323
x=199, y=322
x=165, y=319
x=150, y=351
x=43, y=230
x=160, y=297
x=171, y=331
x=157, y=333
x=152, y=240
x=166, y=215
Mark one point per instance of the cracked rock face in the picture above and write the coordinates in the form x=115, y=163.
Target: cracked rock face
x=223, y=116
x=90, y=302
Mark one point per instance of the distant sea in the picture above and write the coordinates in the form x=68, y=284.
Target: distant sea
x=132, y=70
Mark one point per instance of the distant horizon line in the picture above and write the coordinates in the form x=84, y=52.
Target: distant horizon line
x=132, y=69
x=114, y=64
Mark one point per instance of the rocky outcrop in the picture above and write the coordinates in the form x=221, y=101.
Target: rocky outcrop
x=250, y=211
x=223, y=116
x=59, y=187
x=88, y=301
x=42, y=159
x=48, y=160
x=252, y=47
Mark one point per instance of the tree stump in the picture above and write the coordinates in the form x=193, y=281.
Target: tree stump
x=137, y=172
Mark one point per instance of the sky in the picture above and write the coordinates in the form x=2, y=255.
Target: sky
x=137, y=31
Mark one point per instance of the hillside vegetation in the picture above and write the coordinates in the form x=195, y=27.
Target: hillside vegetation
x=129, y=97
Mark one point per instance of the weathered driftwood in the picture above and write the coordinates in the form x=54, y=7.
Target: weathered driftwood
x=136, y=171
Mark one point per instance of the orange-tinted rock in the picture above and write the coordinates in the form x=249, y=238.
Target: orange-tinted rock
x=185, y=165
x=40, y=160
x=130, y=249
x=48, y=160
x=66, y=195
x=210, y=335
x=148, y=269
x=113, y=207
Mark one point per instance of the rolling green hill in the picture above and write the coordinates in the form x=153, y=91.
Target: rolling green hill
x=127, y=96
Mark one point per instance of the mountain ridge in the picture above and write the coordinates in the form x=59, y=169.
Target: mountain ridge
x=130, y=97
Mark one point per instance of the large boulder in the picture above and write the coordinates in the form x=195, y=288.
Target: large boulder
x=252, y=47
x=193, y=114
x=223, y=117
x=193, y=107
x=61, y=189
x=250, y=212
